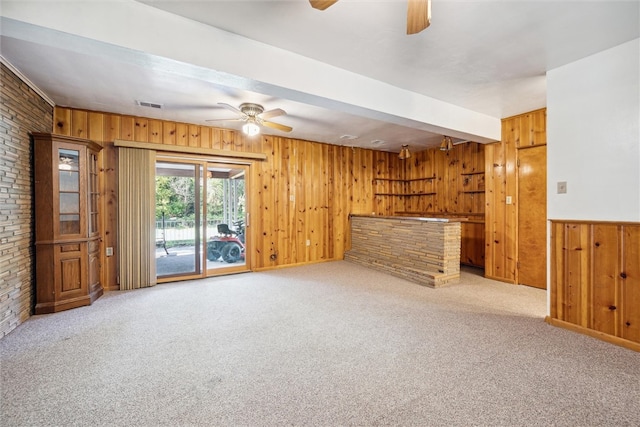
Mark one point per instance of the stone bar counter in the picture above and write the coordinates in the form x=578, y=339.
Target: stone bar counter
x=422, y=250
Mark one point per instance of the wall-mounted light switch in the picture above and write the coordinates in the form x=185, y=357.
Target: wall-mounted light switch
x=562, y=187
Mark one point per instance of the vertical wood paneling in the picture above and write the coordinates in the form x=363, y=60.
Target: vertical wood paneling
x=630, y=283
x=194, y=136
x=169, y=133
x=96, y=126
x=141, y=129
x=155, y=131
x=557, y=270
x=605, y=258
x=576, y=273
x=595, y=278
x=111, y=128
x=501, y=181
x=127, y=126
x=79, y=124
x=302, y=191
x=182, y=134
x=533, y=125
x=62, y=121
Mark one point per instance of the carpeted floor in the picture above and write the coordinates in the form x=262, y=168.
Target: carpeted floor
x=328, y=344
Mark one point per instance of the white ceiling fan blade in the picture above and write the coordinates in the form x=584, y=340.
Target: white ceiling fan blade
x=277, y=126
x=234, y=109
x=272, y=113
x=235, y=119
x=418, y=15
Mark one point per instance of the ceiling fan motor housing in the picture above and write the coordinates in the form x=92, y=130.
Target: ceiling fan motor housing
x=251, y=109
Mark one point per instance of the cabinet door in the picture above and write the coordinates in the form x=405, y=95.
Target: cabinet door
x=472, y=244
x=70, y=270
x=94, y=266
x=70, y=183
x=94, y=194
x=532, y=217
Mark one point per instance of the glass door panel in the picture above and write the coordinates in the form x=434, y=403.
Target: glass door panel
x=178, y=219
x=69, y=190
x=226, y=219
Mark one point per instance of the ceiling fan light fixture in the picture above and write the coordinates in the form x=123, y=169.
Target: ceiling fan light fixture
x=404, y=153
x=250, y=129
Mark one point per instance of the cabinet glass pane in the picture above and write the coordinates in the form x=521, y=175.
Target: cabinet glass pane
x=69, y=180
x=68, y=160
x=69, y=203
x=69, y=224
x=69, y=167
x=93, y=223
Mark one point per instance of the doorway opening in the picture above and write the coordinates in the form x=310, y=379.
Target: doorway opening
x=200, y=219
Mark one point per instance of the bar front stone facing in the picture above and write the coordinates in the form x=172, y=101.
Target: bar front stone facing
x=422, y=250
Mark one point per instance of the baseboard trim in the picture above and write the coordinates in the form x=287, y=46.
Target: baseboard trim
x=631, y=345
x=299, y=264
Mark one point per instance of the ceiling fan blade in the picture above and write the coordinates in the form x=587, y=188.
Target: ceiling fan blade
x=322, y=4
x=272, y=113
x=232, y=108
x=418, y=15
x=278, y=126
x=235, y=119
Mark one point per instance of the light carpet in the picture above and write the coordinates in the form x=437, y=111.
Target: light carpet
x=328, y=344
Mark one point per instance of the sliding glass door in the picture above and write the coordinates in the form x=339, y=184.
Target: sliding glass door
x=201, y=219
x=226, y=223
x=178, y=219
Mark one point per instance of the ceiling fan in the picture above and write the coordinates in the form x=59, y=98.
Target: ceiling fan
x=254, y=116
x=418, y=13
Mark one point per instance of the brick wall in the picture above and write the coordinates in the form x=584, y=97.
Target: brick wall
x=22, y=111
x=424, y=252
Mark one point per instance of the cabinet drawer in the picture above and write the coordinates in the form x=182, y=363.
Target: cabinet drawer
x=73, y=247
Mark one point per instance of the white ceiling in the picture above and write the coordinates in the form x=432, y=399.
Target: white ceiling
x=349, y=70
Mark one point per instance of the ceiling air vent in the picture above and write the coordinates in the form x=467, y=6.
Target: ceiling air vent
x=149, y=104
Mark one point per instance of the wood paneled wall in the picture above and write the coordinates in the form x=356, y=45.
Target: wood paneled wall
x=303, y=191
x=458, y=181
x=457, y=190
x=501, y=225
x=595, y=279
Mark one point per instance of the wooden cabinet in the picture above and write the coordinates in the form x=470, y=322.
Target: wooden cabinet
x=66, y=222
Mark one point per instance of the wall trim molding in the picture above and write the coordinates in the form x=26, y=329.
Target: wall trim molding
x=24, y=78
x=189, y=150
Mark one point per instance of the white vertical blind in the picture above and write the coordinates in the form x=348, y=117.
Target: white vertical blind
x=136, y=217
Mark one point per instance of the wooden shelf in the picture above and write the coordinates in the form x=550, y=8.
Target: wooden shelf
x=404, y=194
x=472, y=191
x=405, y=180
x=473, y=173
x=428, y=178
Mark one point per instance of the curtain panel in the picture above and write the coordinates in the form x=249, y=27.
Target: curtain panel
x=136, y=218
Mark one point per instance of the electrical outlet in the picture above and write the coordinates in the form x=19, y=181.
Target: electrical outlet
x=562, y=187
x=109, y=251
x=308, y=242
x=509, y=201
x=292, y=198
